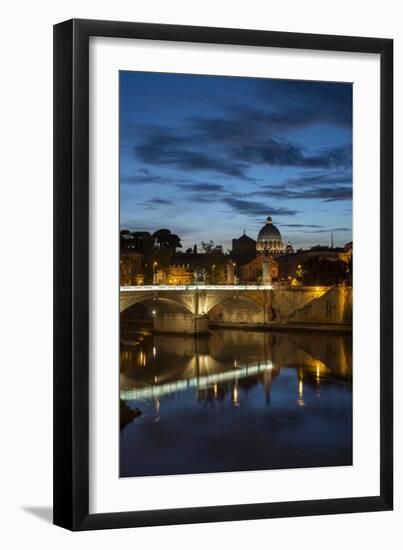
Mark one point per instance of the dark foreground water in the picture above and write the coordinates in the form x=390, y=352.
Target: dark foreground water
x=236, y=400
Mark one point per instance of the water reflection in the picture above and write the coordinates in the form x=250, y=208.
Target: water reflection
x=234, y=400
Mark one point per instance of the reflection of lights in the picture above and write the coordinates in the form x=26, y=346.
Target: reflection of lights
x=157, y=404
x=300, y=400
x=201, y=382
x=142, y=358
x=235, y=363
x=215, y=390
x=235, y=395
x=154, y=352
x=318, y=366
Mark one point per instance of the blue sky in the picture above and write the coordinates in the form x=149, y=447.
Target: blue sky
x=210, y=156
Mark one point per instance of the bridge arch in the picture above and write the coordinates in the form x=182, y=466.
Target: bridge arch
x=237, y=309
x=243, y=299
x=155, y=303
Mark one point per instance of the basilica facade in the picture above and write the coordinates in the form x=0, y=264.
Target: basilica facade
x=255, y=261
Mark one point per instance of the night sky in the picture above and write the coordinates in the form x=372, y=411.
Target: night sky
x=208, y=157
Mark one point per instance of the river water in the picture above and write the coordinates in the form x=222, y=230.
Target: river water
x=235, y=400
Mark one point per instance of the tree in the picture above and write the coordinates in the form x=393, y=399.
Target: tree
x=349, y=271
x=164, y=237
x=212, y=261
x=159, y=260
x=124, y=238
x=207, y=247
x=321, y=271
x=142, y=241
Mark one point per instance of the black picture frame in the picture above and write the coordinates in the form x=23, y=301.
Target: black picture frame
x=71, y=274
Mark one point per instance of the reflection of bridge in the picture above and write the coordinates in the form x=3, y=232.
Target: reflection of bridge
x=195, y=299
x=199, y=382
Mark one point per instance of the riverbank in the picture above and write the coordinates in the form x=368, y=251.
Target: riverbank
x=287, y=327
x=329, y=328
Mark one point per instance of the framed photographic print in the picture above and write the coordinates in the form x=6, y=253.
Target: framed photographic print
x=223, y=274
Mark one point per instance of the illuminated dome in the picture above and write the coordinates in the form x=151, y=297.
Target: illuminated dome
x=269, y=240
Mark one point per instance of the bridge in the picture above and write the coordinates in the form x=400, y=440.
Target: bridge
x=190, y=308
x=195, y=299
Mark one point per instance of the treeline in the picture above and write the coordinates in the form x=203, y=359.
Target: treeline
x=144, y=242
x=206, y=260
x=321, y=271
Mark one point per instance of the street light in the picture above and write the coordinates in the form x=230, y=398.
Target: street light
x=154, y=266
x=212, y=273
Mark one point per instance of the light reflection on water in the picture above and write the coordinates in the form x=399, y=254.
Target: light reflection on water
x=236, y=400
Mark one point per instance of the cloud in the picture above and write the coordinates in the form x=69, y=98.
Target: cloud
x=300, y=225
x=308, y=179
x=167, y=147
x=320, y=192
x=256, y=208
x=145, y=177
x=301, y=103
x=206, y=198
x=282, y=153
x=157, y=200
x=324, y=186
x=202, y=187
x=193, y=191
x=324, y=230
x=229, y=146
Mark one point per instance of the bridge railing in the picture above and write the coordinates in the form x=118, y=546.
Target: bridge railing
x=155, y=288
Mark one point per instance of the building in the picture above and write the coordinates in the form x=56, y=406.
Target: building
x=269, y=240
x=290, y=265
x=261, y=269
x=253, y=261
x=348, y=251
x=181, y=269
x=141, y=241
x=243, y=249
x=289, y=249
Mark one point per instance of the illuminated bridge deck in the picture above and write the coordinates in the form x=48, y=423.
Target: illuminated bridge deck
x=182, y=288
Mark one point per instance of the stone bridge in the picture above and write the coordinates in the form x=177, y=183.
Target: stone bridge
x=190, y=308
x=194, y=299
